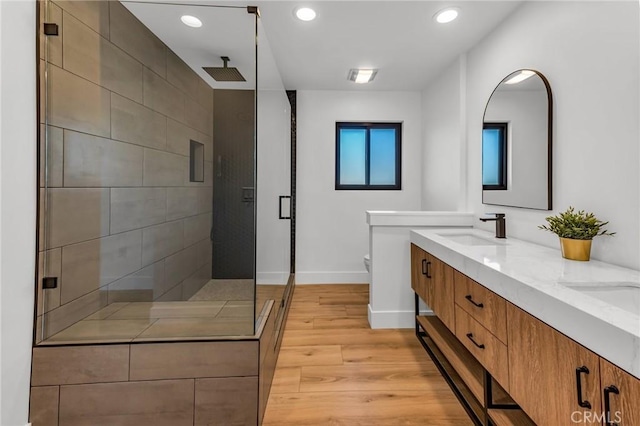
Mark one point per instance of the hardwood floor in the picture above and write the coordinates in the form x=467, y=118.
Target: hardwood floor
x=334, y=370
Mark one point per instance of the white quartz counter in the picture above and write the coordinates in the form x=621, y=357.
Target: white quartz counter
x=537, y=279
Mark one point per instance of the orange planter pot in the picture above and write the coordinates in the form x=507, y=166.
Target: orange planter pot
x=575, y=249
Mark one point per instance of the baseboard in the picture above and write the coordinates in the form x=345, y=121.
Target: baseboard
x=346, y=277
x=393, y=319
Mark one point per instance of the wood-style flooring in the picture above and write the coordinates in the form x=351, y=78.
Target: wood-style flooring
x=334, y=370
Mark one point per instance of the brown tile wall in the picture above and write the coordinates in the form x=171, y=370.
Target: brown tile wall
x=169, y=384
x=123, y=220
x=193, y=360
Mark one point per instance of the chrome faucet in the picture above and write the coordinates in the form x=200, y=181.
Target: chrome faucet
x=501, y=224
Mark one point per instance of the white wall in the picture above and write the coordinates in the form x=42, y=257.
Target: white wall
x=18, y=204
x=589, y=51
x=332, y=235
x=444, y=155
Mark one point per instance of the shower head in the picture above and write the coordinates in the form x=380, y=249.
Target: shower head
x=224, y=73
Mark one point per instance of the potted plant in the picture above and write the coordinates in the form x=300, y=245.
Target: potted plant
x=576, y=230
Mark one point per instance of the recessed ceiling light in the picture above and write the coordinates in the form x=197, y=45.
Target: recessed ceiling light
x=362, y=76
x=305, y=14
x=521, y=76
x=446, y=15
x=191, y=21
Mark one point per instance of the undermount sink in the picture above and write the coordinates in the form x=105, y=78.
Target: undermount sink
x=624, y=295
x=470, y=240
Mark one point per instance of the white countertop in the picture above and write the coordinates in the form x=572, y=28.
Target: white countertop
x=419, y=218
x=536, y=279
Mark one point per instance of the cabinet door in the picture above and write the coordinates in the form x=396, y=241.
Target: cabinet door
x=442, y=301
x=543, y=373
x=624, y=406
x=419, y=269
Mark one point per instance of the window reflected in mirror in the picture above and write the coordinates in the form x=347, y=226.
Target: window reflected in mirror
x=494, y=156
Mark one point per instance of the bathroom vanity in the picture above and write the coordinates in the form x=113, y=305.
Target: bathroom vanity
x=517, y=329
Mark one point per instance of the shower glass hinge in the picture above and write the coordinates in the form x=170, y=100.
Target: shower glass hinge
x=49, y=282
x=50, y=29
x=253, y=10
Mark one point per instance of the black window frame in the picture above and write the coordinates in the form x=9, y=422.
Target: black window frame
x=368, y=126
x=502, y=152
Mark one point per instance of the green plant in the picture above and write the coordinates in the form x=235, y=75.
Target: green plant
x=576, y=225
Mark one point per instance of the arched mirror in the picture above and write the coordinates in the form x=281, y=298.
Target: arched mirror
x=516, y=142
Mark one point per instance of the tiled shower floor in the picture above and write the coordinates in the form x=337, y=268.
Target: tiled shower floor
x=165, y=321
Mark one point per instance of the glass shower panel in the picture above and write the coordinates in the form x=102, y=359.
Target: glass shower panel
x=50, y=176
x=127, y=172
x=273, y=238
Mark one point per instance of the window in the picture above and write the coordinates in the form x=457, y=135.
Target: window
x=368, y=155
x=494, y=156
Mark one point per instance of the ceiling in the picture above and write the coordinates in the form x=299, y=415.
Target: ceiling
x=400, y=38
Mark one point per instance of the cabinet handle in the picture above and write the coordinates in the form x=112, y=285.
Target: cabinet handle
x=607, y=404
x=470, y=299
x=424, y=266
x=428, y=273
x=470, y=337
x=579, y=371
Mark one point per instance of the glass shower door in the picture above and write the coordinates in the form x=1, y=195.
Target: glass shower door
x=274, y=208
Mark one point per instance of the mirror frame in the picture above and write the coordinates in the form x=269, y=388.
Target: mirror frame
x=549, y=139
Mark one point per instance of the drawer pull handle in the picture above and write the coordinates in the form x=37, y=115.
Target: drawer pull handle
x=470, y=299
x=425, y=268
x=579, y=371
x=470, y=337
x=607, y=404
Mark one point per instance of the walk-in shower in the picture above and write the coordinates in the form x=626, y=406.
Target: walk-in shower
x=164, y=192
x=164, y=237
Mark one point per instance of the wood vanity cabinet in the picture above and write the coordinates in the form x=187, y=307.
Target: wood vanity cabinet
x=623, y=406
x=443, y=295
x=420, y=280
x=550, y=375
x=481, y=325
x=554, y=379
x=484, y=346
x=432, y=280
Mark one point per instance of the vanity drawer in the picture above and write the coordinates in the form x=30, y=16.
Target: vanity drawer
x=484, y=346
x=483, y=305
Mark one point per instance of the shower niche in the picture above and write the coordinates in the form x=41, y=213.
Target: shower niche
x=164, y=243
